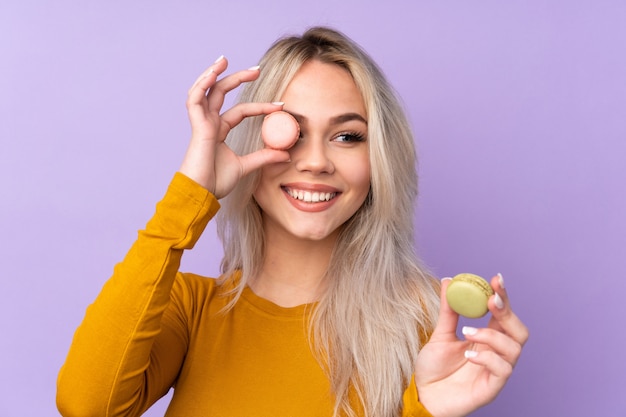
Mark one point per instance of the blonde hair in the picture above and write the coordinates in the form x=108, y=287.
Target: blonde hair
x=381, y=304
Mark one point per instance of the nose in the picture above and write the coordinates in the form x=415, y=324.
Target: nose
x=312, y=155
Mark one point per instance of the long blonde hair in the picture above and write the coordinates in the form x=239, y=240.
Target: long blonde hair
x=370, y=324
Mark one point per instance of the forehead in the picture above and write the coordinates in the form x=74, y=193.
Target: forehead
x=323, y=88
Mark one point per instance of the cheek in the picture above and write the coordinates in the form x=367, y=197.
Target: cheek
x=268, y=175
x=360, y=176
x=264, y=187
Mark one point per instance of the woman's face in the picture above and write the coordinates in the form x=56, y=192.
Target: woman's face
x=328, y=177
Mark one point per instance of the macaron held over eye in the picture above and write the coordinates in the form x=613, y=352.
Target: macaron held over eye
x=280, y=130
x=468, y=294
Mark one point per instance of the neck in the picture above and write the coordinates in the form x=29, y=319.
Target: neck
x=293, y=270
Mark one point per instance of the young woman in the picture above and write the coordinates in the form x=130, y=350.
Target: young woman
x=322, y=308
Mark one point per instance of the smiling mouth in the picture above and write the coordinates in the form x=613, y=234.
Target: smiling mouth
x=310, y=196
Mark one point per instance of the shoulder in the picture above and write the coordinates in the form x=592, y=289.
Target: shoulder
x=196, y=293
x=195, y=286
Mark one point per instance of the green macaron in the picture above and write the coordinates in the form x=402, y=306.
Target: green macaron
x=468, y=294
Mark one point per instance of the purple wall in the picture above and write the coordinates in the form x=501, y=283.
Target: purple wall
x=519, y=108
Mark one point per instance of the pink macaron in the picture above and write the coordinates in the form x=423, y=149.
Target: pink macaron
x=280, y=130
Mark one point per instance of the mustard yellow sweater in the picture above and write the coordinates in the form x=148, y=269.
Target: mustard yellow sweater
x=152, y=328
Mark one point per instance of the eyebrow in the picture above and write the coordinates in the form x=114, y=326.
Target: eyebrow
x=342, y=118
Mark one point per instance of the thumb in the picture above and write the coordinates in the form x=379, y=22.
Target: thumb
x=260, y=158
x=448, y=319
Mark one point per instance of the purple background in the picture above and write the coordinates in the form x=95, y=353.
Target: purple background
x=519, y=109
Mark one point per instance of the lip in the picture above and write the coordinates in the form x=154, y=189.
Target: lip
x=305, y=186
x=306, y=206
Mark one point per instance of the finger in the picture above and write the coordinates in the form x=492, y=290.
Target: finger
x=499, y=342
x=237, y=113
x=217, y=93
x=260, y=158
x=218, y=67
x=207, y=79
x=494, y=363
x=502, y=316
x=448, y=319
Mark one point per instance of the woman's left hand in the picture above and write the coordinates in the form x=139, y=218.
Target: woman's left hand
x=455, y=377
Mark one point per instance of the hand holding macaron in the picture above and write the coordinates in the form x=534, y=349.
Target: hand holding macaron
x=457, y=375
x=209, y=161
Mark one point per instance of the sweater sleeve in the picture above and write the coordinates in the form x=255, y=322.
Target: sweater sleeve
x=411, y=405
x=111, y=368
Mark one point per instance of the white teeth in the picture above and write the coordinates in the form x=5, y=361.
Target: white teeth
x=310, y=196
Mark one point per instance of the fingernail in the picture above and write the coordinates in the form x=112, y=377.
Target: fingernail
x=501, y=280
x=219, y=59
x=255, y=68
x=446, y=279
x=469, y=331
x=499, y=302
x=278, y=103
x=470, y=354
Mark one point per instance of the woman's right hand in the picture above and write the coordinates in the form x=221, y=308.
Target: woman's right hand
x=209, y=161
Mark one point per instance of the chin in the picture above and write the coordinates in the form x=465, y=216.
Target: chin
x=314, y=234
